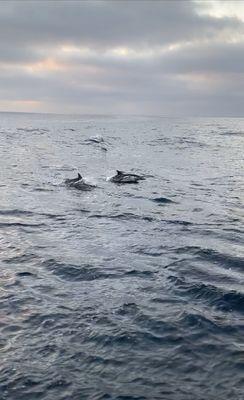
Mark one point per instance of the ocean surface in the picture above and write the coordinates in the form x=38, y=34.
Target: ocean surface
x=132, y=292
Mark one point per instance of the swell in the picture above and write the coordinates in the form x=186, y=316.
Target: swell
x=207, y=323
x=33, y=130
x=87, y=272
x=27, y=214
x=22, y=259
x=162, y=200
x=213, y=256
x=132, y=216
x=225, y=260
x=210, y=295
x=123, y=216
x=232, y=133
x=21, y=225
x=72, y=272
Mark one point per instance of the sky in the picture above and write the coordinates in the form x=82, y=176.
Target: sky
x=169, y=58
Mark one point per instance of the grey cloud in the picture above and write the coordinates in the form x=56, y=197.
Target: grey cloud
x=218, y=58
x=143, y=90
x=103, y=24
x=100, y=82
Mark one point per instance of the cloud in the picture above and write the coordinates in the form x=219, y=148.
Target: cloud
x=120, y=57
x=103, y=24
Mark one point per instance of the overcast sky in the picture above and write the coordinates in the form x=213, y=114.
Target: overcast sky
x=123, y=57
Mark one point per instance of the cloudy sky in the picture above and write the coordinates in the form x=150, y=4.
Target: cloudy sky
x=123, y=57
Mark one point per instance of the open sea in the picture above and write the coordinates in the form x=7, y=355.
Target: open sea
x=130, y=292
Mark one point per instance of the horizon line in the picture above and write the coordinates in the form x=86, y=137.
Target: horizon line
x=117, y=115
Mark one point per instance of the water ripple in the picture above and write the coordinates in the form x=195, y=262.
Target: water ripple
x=125, y=293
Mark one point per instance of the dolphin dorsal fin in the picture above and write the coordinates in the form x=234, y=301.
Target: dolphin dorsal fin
x=79, y=176
x=119, y=172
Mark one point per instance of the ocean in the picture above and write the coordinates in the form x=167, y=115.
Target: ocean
x=125, y=292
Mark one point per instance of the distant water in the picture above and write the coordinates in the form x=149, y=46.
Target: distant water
x=125, y=292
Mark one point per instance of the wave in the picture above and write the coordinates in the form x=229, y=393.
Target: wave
x=223, y=259
x=232, y=133
x=25, y=273
x=162, y=200
x=27, y=213
x=206, y=323
x=21, y=225
x=16, y=212
x=139, y=274
x=21, y=259
x=123, y=216
x=72, y=272
x=210, y=295
x=140, y=339
x=178, y=222
x=33, y=130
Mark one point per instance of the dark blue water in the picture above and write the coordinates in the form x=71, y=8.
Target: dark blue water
x=123, y=292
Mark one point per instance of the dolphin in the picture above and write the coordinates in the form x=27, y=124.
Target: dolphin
x=95, y=139
x=74, y=180
x=78, y=183
x=124, y=177
x=81, y=185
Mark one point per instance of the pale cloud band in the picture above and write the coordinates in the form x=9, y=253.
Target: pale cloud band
x=142, y=57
